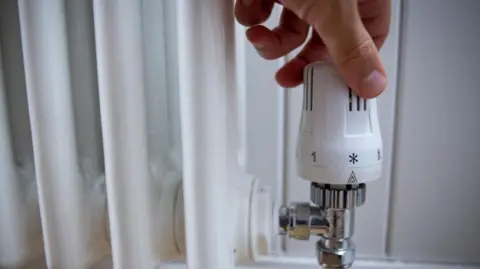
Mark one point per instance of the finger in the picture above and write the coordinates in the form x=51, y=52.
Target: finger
x=253, y=12
x=376, y=17
x=291, y=74
x=374, y=8
x=348, y=42
x=359, y=63
x=272, y=44
x=378, y=28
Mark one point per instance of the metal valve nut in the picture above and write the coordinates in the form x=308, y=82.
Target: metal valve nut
x=332, y=253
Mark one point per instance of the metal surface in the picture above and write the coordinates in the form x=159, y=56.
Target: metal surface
x=338, y=196
x=301, y=220
x=332, y=218
x=335, y=253
x=335, y=249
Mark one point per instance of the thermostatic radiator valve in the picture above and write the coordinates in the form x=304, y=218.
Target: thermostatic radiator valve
x=339, y=150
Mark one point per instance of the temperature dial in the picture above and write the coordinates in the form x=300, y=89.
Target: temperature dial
x=339, y=140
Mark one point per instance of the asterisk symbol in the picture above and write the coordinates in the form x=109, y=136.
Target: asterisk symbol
x=353, y=158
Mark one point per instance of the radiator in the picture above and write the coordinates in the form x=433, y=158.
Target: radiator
x=120, y=137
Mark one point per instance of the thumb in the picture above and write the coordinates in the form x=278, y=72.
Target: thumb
x=349, y=44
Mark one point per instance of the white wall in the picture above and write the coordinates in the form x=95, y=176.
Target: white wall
x=424, y=207
x=435, y=174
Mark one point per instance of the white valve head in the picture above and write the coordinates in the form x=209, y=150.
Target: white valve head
x=339, y=140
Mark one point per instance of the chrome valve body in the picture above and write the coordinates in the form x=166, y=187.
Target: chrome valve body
x=330, y=216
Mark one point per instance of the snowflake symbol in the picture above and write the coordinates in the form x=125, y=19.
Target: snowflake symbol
x=353, y=158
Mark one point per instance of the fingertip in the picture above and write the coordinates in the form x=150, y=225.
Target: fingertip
x=265, y=42
x=261, y=39
x=373, y=85
x=257, y=33
x=287, y=83
x=291, y=74
x=253, y=12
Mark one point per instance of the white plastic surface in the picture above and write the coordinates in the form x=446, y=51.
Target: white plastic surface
x=339, y=140
x=249, y=221
x=261, y=221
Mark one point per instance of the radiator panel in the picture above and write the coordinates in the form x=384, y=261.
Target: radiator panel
x=66, y=220
x=65, y=62
x=20, y=228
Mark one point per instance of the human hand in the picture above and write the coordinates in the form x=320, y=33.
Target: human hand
x=347, y=32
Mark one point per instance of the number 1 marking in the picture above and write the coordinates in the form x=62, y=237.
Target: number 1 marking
x=314, y=155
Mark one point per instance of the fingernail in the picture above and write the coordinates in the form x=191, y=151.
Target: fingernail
x=259, y=52
x=258, y=46
x=374, y=84
x=247, y=3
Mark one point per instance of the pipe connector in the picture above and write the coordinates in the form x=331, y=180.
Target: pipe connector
x=301, y=220
x=332, y=253
x=331, y=217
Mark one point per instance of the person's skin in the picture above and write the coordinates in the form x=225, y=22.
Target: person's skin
x=347, y=32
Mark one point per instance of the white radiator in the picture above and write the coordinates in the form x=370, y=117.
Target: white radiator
x=91, y=161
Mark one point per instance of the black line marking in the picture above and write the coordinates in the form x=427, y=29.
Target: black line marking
x=305, y=85
x=305, y=97
x=365, y=104
x=352, y=179
x=349, y=99
x=358, y=103
x=311, y=89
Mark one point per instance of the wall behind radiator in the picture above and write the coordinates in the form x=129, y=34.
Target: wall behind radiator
x=424, y=207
